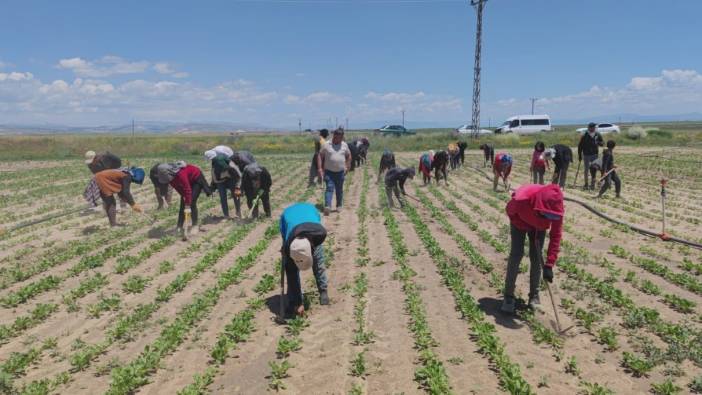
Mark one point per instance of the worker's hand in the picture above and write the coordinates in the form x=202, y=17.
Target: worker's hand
x=237, y=192
x=548, y=273
x=137, y=208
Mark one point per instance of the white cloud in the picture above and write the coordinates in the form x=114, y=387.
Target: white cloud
x=315, y=98
x=15, y=76
x=167, y=68
x=103, y=67
x=395, y=97
x=675, y=91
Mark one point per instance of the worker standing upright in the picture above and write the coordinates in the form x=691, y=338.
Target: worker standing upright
x=501, y=168
x=562, y=157
x=454, y=152
x=532, y=210
x=319, y=141
x=588, y=149
x=334, y=162
x=256, y=183
x=609, y=170
x=462, y=146
x=538, y=164
x=303, y=235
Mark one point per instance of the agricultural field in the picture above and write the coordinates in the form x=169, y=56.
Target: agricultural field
x=415, y=293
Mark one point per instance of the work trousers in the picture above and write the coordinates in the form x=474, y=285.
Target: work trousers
x=608, y=181
x=587, y=161
x=197, y=188
x=335, y=184
x=515, y=257
x=538, y=175
x=560, y=174
x=389, y=190
x=293, y=274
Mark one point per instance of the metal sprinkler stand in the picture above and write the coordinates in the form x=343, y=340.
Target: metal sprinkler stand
x=664, y=182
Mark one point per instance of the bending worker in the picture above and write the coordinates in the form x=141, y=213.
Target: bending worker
x=501, y=169
x=387, y=162
x=225, y=177
x=188, y=181
x=163, y=192
x=532, y=210
x=395, y=183
x=256, y=181
x=488, y=153
x=111, y=182
x=303, y=235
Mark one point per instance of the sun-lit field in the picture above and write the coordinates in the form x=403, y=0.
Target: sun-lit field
x=415, y=293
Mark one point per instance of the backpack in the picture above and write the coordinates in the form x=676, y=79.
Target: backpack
x=137, y=174
x=507, y=158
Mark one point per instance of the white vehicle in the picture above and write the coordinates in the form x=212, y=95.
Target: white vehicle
x=526, y=124
x=602, y=128
x=468, y=129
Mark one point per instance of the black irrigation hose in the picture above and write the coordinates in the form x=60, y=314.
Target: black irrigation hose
x=43, y=219
x=616, y=221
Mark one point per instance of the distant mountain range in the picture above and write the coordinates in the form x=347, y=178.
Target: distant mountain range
x=155, y=127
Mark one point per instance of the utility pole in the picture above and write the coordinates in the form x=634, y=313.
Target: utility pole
x=479, y=5
x=299, y=124
x=533, y=100
x=347, y=124
x=403, y=118
x=132, y=128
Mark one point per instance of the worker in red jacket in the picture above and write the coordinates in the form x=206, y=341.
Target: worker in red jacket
x=188, y=181
x=501, y=169
x=532, y=210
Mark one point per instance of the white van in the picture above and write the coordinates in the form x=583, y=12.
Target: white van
x=526, y=124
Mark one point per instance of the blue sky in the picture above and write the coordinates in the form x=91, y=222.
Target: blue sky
x=272, y=62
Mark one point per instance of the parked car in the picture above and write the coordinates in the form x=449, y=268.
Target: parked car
x=396, y=130
x=526, y=124
x=468, y=129
x=602, y=128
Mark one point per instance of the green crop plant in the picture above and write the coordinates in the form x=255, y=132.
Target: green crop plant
x=135, y=284
x=571, y=366
x=680, y=304
x=105, y=303
x=667, y=387
x=607, y=336
x=287, y=345
x=279, y=371
x=594, y=389
x=695, y=385
x=358, y=365
x=639, y=367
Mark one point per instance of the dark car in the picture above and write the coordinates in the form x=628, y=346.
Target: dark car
x=395, y=130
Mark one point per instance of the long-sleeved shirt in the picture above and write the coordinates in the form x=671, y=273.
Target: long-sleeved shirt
x=255, y=172
x=589, y=144
x=399, y=176
x=537, y=161
x=301, y=220
x=607, y=160
x=242, y=159
x=526, y=212
x=563, y=155
x=184, y=180
x=113, y=181
x=497, y=167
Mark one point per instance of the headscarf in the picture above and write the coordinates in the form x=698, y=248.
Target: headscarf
x=210, y=154
x=167, y=171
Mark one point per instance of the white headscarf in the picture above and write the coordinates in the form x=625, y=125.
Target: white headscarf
x=224, y=150
x=210, y=154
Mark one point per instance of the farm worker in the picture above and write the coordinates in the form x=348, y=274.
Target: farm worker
x=257, y=180
x=111, y=182
x=538, y=164
x=387, y=162
x=532, y=210
x=395, y=180
x=453, y=152
x=242, y=159
x=354, y=147
x=99, y=162
x=303, y=235
x=607, y=165
x=334, y=162
x=588, y=149
x=363, y=150
x=462, y=145
x=425, y=166
x=439, y=164
x=488, y=153
x=595, y=167
x=163, y=192
x=318, y=143
x=501, y=169
x=188, y=181
x=562, y=156
x=225, y=176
